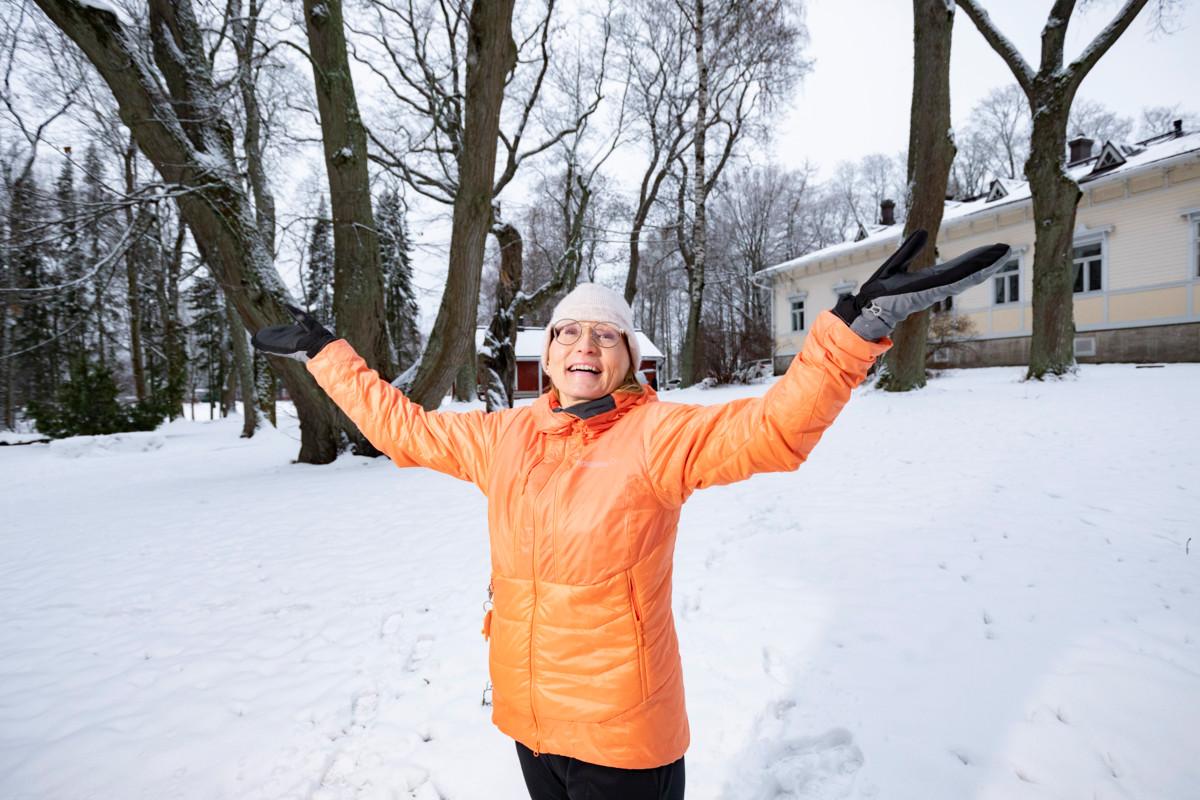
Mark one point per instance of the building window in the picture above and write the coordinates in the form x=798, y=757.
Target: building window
x=944, y=305
x=1089, y=267
x=797, y=315
x=1196, y=247
x=1007, y=283
x=844, y=288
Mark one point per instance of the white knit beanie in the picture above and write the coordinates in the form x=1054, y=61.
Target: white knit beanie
x=591, y=302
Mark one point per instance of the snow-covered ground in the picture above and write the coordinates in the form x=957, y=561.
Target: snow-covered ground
x=982, y=590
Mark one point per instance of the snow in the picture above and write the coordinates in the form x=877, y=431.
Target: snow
x=985, y=589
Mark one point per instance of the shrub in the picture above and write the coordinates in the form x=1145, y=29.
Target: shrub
x=87, y=405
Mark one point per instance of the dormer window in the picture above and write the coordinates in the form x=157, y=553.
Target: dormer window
x=996, y=191
x=1110, y=158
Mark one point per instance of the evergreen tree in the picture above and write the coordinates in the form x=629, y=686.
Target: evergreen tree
x=33, y=348
x=71, y=301
x=400, y=301
x=207, y=335
x=97, y=238
x=318, y=279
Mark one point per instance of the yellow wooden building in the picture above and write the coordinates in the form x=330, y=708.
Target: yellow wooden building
x=1137, y=261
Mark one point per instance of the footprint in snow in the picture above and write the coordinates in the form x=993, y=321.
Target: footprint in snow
x=823, y=766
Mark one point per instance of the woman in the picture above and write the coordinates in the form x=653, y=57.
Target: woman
x=584, y=488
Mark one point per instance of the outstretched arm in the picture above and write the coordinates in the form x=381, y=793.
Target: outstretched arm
x=692, y=447
x=458, y=444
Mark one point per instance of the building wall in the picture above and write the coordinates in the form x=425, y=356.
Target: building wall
x=1150, y=285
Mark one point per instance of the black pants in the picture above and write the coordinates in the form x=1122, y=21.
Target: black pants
x=551, y=777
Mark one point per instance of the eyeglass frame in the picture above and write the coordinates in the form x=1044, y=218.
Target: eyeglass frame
x=592, y=332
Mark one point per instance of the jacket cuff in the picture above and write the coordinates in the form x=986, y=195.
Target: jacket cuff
x=839, y=335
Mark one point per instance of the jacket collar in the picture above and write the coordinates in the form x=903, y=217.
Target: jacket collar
x=549, y=416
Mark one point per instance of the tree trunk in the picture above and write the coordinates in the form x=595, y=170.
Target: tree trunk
x=358, y=311
x=244, y=369
x=357, y=277
x=1055, y=197
x=692, y=356
x=491, y=55
x=930, y=155
x=498, y=358
x=131, y=274
x=191, y=144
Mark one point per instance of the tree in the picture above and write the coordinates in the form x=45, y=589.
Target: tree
x=655, y=64
x=400, y=298
x=751, y=58
x=1098, y=122
x=357, y=278
x=175, y=116
x=1157, y=120
x=318, y=276
x=1050, y=90
x=930, y=154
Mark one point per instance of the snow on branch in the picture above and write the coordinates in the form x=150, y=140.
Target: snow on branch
x=1081, y=66
x=1001, y=44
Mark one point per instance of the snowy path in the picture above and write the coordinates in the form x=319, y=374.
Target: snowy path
x=981, y=591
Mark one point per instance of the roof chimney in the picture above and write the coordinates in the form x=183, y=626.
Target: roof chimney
x=1177, y=128
x=887, y=212
x=1081, y=149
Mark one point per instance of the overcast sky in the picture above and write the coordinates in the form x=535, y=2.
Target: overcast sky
x=856, y=99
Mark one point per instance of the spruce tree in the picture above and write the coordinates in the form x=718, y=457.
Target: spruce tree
x=318, y=277
x=400, y=301
x=207, y=337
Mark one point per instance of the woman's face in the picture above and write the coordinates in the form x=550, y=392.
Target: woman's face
x=585, y=370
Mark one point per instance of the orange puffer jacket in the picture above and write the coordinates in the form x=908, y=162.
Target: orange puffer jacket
x=582, y=515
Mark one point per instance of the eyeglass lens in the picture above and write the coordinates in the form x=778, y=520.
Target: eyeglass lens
x=603, y=334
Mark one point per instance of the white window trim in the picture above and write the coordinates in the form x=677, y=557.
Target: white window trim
x=1192, y=215
x=1014, y=255
x=1083, y=237
x=798, y=297
x=841, y=287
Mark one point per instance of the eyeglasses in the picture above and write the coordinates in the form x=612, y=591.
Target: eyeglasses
x=568, y=332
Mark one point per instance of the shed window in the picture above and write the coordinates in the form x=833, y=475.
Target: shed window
x=1089, y=267
x=797, y=315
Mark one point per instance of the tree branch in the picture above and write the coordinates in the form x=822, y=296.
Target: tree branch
x=1001, y=44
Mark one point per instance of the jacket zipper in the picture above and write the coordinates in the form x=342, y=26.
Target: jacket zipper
x=641, y=634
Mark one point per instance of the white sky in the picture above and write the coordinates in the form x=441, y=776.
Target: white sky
x=856, y=99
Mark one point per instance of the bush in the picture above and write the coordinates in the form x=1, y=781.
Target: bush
x=87, y=405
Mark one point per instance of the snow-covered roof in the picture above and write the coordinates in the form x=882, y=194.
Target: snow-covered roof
x=1013, y=192
x=529, y=343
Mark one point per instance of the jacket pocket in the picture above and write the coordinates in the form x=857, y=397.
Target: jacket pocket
x=639, y=628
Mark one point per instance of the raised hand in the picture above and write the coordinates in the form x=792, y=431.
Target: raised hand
x=892, y=293
x=301, y=340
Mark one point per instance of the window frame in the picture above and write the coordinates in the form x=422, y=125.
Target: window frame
x=800, y=298
x=1086, y=239
x=1003, y=275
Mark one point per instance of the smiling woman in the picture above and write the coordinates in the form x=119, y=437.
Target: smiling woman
x=587, y=360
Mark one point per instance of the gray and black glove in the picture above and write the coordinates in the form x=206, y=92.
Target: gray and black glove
x=300, y=341
x=892, y=293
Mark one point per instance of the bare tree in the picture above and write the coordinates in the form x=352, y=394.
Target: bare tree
x=184, y=134
x=655, y=59
x=930, y=154
x=1157, y=120
x=1051, y=90
x=745, y=56
x=357, y=277
x=1098, y=122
